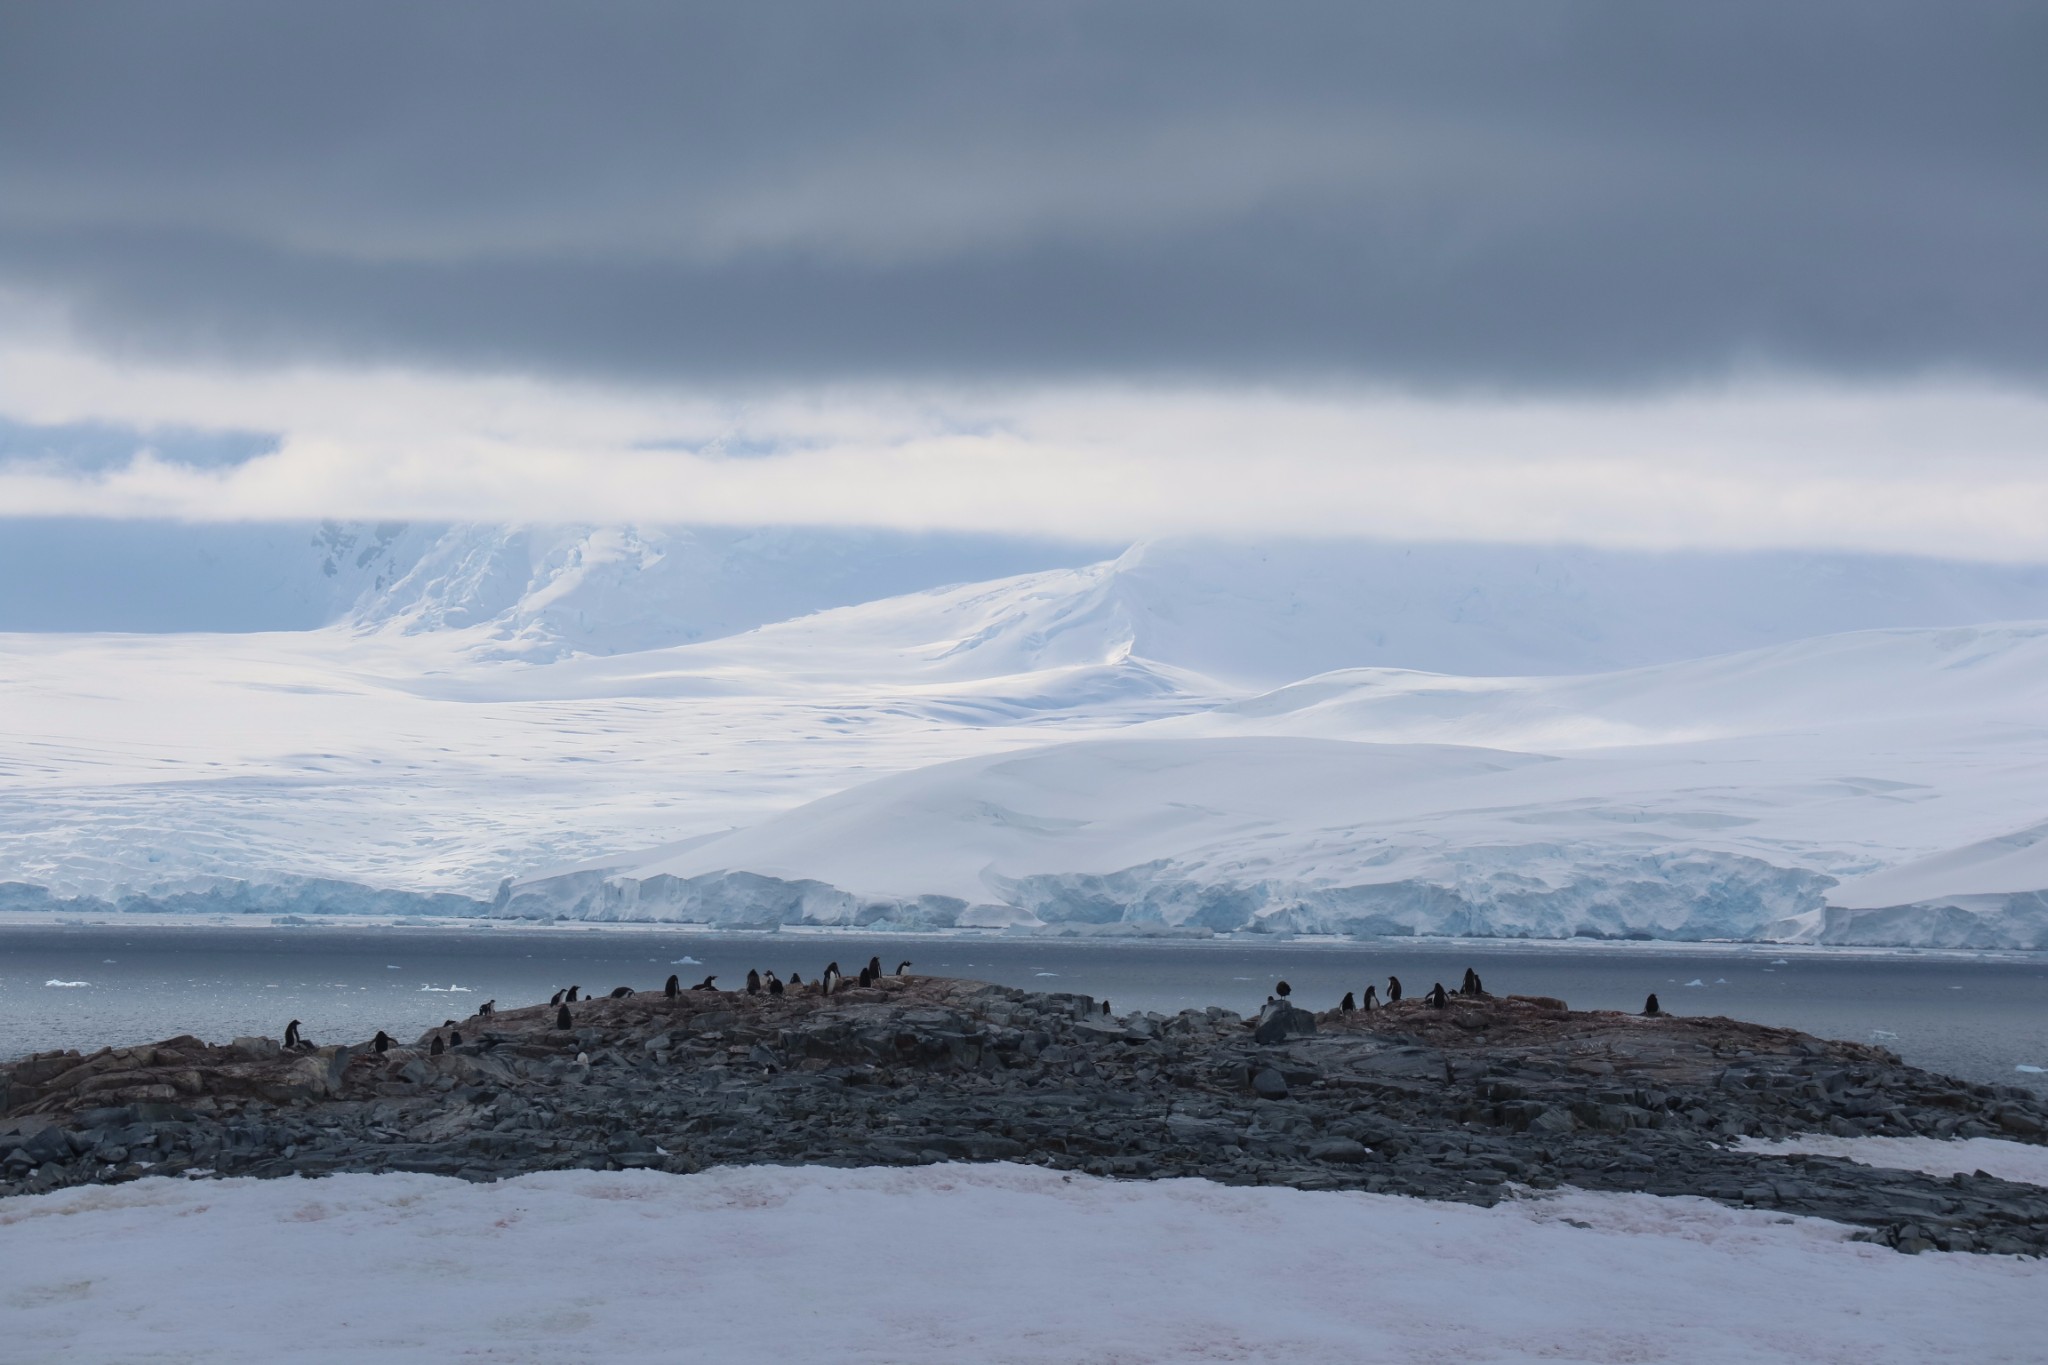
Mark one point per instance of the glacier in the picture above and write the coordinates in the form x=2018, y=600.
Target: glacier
x=1191, y=737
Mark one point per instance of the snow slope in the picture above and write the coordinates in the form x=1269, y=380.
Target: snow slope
x=486, y=713
x=1723, y=797
x=1003, y=1264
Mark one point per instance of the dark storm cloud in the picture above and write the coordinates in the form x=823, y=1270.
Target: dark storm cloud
x=1530, y=193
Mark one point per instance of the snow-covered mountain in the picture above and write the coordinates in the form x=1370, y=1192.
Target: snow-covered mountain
x=1191, y=735
x=1256, y=615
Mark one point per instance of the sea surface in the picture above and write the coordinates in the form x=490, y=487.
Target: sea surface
x=1982, y=1017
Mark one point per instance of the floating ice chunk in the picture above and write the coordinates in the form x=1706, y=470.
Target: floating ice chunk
x=66, y=985
x=685, y=961
x=1720, y=981
x=444, y=990
x=2031, y=1070
x=1045, y=973
x=1781, y=962
x=1695, y=982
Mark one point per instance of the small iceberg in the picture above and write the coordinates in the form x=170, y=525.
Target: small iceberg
x=2024, y=1069
x=444, y=990
x=66, y=985
x=1781, y=962
x=684, y=961
x=1045, y=973
x=1695, y=982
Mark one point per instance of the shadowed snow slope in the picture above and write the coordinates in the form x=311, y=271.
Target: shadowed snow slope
x=1003, y=1264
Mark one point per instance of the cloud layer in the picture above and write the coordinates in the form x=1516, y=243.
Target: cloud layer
x=1538, y=196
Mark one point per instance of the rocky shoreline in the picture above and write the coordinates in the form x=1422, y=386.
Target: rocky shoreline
x=1470, y=1102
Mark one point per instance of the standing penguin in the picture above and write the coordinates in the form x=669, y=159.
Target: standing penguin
x=1105, y=1007
x=291, y=1036
x=1438, y=997
x=1651, y=1007
x=902, y=967
x=1393, y=990
x=867, y=978
x=1347, y=1004
x=1372, y=998
x=438, y=1048
x=796, y=978
x=774, y=984
x=1283, y=990
x=562, y=1019
x=455, y=1038
x=874, y=968
x=753, y=982
x=382, y=1042
x=556, y=998
x=673, y=987
x=829, y=982
x=572, y=994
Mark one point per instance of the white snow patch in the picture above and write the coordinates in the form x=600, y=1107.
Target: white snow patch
x=2018, y=1161
x=66, y=985
x=952, y=1263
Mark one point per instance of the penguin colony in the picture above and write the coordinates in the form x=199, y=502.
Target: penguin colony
x=832, y=981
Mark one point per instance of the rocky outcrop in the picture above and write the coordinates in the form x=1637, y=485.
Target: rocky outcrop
x=1473, y=1102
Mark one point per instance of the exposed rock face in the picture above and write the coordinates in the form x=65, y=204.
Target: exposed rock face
x=1467, y=1103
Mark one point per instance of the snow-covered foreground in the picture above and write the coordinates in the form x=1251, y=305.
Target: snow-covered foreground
x=962, y=1263
x=2017, y=1161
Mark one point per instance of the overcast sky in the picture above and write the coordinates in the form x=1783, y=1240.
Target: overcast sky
x=1706, y=274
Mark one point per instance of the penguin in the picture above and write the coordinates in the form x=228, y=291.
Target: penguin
x=1283, y=990
x=1105, y=1007
x=562, y=1019
x=1651, y=1007
x=753, y=982
x=1478, y=986
x=674, y=986
x=291, y=1036
x=455, y=1038
x=867, y=978
x=1438, y=997
x=1393, y=990
x=447, y=1023
x=487, y=1009
x=572, y=994
x=382, y=1042
x=902, y=967
x=1465, y=987
x=438, y=1048
x=621, y=992
x=796, y=978
x=1372, y=998
x=829, y=982
x=1347, y=1004
x=774, y=984
x=874, y=969
x=705, y=984
x=556, y=998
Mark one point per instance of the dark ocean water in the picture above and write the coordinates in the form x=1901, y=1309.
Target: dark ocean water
x=1977, y=1017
